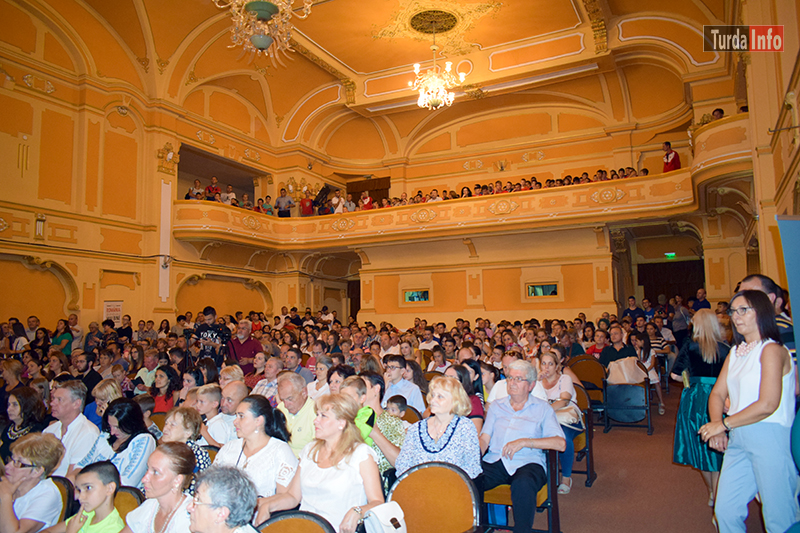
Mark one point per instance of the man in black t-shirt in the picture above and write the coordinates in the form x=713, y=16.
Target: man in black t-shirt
x=210, y=336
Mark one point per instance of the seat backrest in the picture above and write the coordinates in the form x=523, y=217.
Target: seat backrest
x=582, y=398
x=432, y=374
x=67, y=491
x=411, y=415
x=127, y=499
x=579, y=358
x=212, y=451
x=297, y=522
x=419, y=493
x=627, y=402
x=159, y=419
x=427, y=357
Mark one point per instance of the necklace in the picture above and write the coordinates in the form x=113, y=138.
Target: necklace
x=745, y=348
x=15, y=432
x=438, y=432
x=169, y=517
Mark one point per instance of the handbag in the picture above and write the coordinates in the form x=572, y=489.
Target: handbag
x=385, y=518
x=570, y=415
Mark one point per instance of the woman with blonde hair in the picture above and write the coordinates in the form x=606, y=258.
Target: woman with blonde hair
x=336, y=458
x=229, y=374
x=447, y=436
x=702, y=359
x=29, y=500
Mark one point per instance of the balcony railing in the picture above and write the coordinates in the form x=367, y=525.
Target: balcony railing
x=596, y=203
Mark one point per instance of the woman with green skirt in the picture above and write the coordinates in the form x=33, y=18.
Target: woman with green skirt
x=702, y=358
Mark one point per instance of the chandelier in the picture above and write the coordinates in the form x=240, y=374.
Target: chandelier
x=257, y=25
x=433, y=86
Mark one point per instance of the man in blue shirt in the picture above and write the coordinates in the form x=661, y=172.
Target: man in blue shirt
x=518, y=429
x=395, y=384
x=700, y=302
x=633, y=310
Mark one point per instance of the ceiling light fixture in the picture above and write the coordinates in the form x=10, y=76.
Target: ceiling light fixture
x=433, y=86
x=258, y=25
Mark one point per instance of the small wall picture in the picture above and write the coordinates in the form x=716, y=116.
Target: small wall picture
x=416, y=296
x=544, y=289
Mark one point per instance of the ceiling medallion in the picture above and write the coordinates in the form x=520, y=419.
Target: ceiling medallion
x=258, y=25
x=433, y=21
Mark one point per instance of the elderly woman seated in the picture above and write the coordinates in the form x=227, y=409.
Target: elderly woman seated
x=29, y=501
x=224, y=502
x=447, y=436
x=336, y=458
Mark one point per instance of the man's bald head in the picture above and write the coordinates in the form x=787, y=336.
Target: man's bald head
x=233, y=393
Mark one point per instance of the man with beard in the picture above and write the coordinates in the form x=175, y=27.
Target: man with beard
x=243, y=348
x=84, y=371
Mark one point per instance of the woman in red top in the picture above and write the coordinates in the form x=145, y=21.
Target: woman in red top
x=166, y=388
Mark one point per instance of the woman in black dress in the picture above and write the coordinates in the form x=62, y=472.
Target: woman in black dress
x=26, y=414
x=702, y=357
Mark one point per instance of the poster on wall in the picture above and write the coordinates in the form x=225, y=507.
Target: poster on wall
x=113, y=310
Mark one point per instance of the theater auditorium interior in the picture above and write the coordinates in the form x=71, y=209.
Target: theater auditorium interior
x=110, y=110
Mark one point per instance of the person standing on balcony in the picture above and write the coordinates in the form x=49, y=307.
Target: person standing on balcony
x=212, y=189
x=307, y=205
x=283, y=204
x=672, y=161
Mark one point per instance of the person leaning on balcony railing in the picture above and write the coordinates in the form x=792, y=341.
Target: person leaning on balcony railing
x=283, y=204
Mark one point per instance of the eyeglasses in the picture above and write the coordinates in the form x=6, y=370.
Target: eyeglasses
x=196, y=502
x=391, y=367
x=741, y=311
x=19, y=464
x=516, y=379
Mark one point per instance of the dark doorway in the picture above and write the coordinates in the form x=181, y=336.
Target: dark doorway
x=671, y=278
x=378, y=189
x=354, y=293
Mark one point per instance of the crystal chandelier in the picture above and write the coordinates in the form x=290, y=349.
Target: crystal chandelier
x=257, y=25
x=433, y=85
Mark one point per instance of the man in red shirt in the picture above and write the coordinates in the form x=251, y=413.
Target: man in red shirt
x=672, y=161
x=307, y=206
x=212, y=189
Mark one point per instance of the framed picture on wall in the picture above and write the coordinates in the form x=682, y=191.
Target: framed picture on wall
x=537, y=290
x=416, y=296
x=113, y=309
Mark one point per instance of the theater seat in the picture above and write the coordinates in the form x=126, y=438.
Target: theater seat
x=626, y=404
x=67, y=491
x=212, y=452
x=411, y=415
x=584, y=442
x=546, y=498
x=296, y=522
x=419, y=493
x=159, y=419
x=127, y=499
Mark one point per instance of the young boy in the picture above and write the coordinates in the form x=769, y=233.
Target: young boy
x=396, y=406
x=147, y=403
x=96, y=486
x=216, y=430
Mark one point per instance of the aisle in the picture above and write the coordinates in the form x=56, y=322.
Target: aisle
x=638, y=488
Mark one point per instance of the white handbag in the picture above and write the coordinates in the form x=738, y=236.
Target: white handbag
x=385, y=518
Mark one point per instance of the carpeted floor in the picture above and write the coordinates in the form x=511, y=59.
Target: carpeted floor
x=638, y=488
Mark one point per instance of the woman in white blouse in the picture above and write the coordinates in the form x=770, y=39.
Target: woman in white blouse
x=261, y=451
x=320, y=386
x=338, y=475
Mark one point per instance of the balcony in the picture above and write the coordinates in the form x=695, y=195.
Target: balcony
x=579, y=205
x=722, y=147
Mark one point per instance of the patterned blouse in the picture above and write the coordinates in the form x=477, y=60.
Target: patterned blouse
x=202, y=461
x=392, y=428
x=458, y=446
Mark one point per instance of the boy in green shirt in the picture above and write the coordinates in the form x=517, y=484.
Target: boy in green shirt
x=96, y=486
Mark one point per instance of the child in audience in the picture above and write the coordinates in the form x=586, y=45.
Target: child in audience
x=191, y=398
x=148, y=403
x=95, y=487
x=396, y=406
x=216, y=430
x=124, y=381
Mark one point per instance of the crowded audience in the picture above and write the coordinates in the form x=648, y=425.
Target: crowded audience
x=304, y=410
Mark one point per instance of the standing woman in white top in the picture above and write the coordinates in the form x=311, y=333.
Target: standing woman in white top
x=338, y=475
x=759, y=379
x=169, y=473
x=261, y=451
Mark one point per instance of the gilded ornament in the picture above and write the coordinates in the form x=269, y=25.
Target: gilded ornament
x=502, y=207
x=423, y=215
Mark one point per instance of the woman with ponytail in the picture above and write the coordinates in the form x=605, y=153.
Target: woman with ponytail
x=261, y=451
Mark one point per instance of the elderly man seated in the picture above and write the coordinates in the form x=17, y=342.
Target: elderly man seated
x=517, y=430
x=298, y=409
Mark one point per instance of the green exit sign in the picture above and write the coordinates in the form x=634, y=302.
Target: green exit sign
x=669, y=255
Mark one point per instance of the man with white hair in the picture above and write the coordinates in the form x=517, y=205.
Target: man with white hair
x=298, y=409
x=74, y=430
x=518, y=430
x=243, y=347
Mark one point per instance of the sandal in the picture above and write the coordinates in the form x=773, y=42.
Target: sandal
x=564, y=488
x=661, y=409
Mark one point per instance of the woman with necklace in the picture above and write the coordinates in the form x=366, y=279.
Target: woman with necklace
x=336, y=458
x=447, y=435
x=261, y=451
x=29, y=500
x=169, y=473
x=758, y=378
x=26, y=414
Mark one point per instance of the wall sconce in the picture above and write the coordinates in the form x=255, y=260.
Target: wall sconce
x=38, y=233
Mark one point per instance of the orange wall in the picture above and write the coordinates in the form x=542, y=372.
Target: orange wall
x=31, y=292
